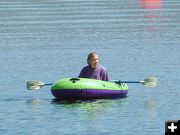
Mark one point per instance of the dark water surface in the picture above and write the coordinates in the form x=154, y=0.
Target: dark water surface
x=49, y=39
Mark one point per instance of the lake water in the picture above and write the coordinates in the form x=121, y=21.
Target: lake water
x=49, y=39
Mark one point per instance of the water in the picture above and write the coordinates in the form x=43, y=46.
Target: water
x=49, y=39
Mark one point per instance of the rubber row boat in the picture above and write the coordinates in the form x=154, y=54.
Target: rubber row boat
x=82, y=88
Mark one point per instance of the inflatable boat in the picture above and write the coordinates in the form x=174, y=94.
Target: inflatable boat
x=82, y=88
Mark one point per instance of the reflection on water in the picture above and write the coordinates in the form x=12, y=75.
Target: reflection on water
x=34, y=102
x=151, y=108
x=48, y=40
x=151, y=105
x=92, y=107
x=151, y=16
x=150, y=4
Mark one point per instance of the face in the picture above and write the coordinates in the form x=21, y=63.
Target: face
x=94, y=61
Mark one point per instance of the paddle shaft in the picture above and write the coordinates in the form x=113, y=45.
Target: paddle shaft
x=119, y=81
x=129, y=81
x=148, y=82
x=48, y=84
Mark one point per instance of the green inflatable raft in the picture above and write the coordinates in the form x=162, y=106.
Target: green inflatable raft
x=83, y=88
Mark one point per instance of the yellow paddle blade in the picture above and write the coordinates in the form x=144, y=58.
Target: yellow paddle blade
x=34, y=85
x=149, y=82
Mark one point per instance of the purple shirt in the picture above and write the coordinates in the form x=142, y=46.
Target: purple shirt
x=99, y=73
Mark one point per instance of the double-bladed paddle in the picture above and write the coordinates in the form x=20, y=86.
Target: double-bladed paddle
x=148, y=82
